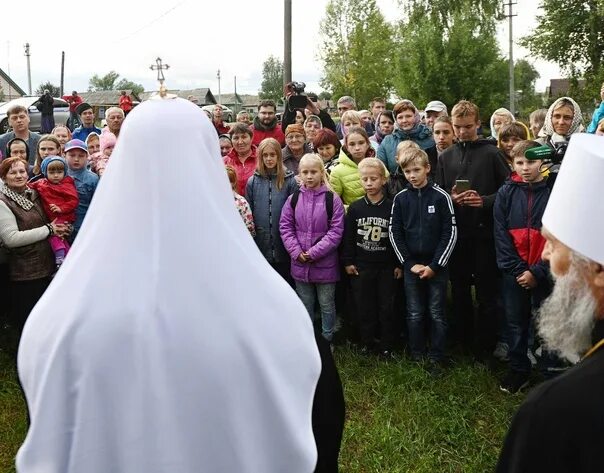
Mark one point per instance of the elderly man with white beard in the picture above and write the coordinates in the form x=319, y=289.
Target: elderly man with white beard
x=560, y=426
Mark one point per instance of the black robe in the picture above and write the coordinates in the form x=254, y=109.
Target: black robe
x=560, y=425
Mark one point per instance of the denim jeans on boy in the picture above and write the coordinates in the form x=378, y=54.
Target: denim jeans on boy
x=426, y=297
x=326, y=294
x=520, y=305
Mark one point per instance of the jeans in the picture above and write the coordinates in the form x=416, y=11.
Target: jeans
x=423, y=296
x=309, y=292
x=374, y=299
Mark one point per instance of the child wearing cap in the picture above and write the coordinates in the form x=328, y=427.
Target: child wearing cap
x=76, y=153
x=59, y=198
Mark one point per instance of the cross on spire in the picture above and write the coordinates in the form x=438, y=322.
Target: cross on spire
x=160, y=68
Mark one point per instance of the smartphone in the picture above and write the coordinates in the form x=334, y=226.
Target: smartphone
x=462, y=185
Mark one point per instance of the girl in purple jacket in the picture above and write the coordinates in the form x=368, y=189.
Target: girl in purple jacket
x=311, y=226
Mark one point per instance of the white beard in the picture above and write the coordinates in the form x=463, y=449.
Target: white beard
x=567, y=317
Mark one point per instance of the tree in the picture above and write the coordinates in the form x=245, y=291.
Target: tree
x=272, y=79
x=525, y=76
x=448, y=51
x=356, y=44
x=110, y=82
x=324, y=95
x=53, y=89
x=125, y=84
x=571, y=34
x=107, y=82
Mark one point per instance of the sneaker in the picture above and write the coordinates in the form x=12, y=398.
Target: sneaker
x=386, y=354
x=514, y=382
x=501, y=351
x=436, y=369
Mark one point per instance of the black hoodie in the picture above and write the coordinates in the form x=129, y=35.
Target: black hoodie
x=484, y=165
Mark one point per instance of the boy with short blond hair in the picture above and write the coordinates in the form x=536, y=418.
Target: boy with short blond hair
x=478, y=166
x=423, y=233
x=369, y=259
x=518, y=209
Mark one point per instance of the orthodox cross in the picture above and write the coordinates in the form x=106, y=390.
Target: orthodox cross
x=159, y=67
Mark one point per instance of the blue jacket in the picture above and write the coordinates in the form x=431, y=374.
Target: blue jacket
x=266, y=203
x=85, y=182
x=422, y=227
x=517, y=214
x=420, y=134
x=598, y=115
x=81, y=133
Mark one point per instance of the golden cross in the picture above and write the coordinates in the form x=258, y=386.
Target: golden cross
x=159, y=67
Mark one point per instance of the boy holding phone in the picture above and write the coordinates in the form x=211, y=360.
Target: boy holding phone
x=483, y=166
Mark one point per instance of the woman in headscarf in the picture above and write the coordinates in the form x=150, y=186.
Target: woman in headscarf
x=384, y=126
x=563, y=118
x=143, y=356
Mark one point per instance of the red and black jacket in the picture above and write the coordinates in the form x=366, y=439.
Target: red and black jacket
x=517, y=213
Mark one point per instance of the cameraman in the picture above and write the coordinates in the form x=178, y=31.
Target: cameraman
x=311, y=108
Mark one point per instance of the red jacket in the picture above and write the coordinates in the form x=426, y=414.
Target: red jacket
x=221, y=128
x=276, y=133
x=244, y=170
x=64, y=195
x=73, y=101
x=125, y=103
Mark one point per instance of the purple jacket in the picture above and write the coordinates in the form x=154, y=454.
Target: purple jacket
x=309, y=231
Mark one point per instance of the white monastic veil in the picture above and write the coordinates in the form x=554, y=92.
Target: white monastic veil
x=166, y=344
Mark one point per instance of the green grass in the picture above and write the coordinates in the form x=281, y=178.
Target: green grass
x=399, y=418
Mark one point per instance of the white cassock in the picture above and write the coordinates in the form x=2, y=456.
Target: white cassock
x=166, y=343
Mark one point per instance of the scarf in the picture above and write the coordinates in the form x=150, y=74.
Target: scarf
x=259, y=126
x=379, y=135
x=548, y=127
x=420, y=133
x=20, y=199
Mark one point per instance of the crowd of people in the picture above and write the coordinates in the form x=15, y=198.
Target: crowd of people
x=428, y=202
x=371, y=221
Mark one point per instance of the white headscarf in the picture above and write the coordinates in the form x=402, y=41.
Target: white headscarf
x=166, y=343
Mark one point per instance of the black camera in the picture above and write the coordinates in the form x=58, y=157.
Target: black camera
x=298, y=87
x=298, y=100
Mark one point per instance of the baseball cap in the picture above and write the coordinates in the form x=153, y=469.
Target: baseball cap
x=76, y=144
x=436, y=106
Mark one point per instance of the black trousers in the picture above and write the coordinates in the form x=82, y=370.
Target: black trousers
x=373, y=291
x=473, y=263
x=24, y=295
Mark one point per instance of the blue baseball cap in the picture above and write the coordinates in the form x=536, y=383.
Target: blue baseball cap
x=76, y=144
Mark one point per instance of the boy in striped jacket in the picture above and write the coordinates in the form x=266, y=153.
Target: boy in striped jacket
x=423, y=234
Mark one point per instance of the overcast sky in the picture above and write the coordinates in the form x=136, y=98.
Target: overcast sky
x=195, y=38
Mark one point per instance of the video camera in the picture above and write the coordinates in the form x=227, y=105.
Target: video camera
x=298, y=99
x=547, y=154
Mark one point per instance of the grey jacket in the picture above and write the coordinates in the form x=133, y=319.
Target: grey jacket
x=266, y=202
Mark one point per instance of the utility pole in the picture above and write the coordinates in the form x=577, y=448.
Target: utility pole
x=62, y=71
x=219, y=95
x=287, y=46
x=510, y=15
x=27, y=54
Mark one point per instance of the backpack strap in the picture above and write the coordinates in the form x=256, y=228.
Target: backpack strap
x=329, y=206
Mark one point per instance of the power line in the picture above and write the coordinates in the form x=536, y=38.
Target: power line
x=170, y=10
